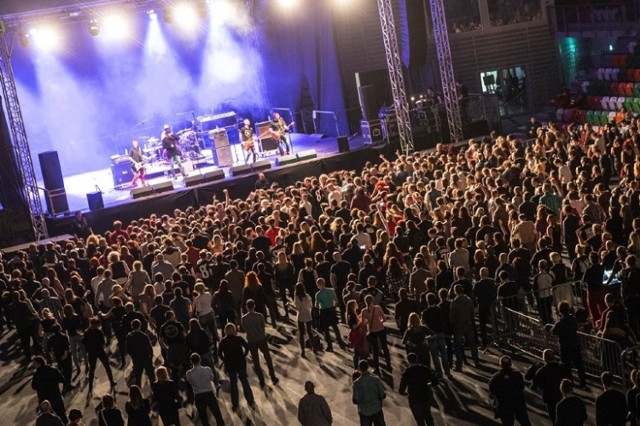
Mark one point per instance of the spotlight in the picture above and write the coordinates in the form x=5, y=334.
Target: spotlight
x=185, y=14
x=94, y=28
x=152, y=15
x=45, y=38
x=287, y=3
x=25, y=39
x=115, y=26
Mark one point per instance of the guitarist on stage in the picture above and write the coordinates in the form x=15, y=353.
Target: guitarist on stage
x=247, y=140
x=278, y=130
x=137, y=158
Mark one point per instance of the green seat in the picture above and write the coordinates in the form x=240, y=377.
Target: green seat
x=635, y=105
x=636, y=90
x=590, y=117
x=604, y=117
x=628, y=104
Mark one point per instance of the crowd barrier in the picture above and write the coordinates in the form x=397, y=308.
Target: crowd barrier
x=516, y=324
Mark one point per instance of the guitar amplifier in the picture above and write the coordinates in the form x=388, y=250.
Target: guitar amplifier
x=267, y=143
x=224, y=156
x=122, y=174
x=220, y=138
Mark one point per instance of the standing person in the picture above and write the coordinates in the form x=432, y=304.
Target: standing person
x=543, y=283
x=507, y=387
x=166, y=397
x=547, y=379
x=170, y=145
x=137, y=408
x=46, y=382
x=485, y=292
x=200, y=379
x=138, y=279
x=138, y=347
x=434, y=318
x=313, y=409
x=566, y=328
x=27, y=324
x=46, y=417
x=368, y=394
x=461, y=316
x=233, y=351
x=304, y=305
x=611, y=405
x=571, y=410
x=358, y=334
x=374, y=317
x=416, y=381
x=202, y=307
x=279, y=129
x=110, y=414
x=136, y=154
x=94, y=342
x=247, y=139
x=59, y=346
x=254, y=324
x=326, y=302
x=73, y=325
x=415, y=339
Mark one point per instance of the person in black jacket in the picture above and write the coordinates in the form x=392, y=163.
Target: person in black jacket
x=233, y=351
x=166, y=397
x=485, y=293
x=507, y=387
x=138, y=347
x=433, y=317
x=566, y=328
x=46, y=417
x=416, y=381
x=547, y=379
x=59, y=346
x=94, y=342
x=109, y=414
x=611, y=405
x=571, y=410
x=46, y=382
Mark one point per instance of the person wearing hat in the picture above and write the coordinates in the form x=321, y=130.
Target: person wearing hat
x=170, y=145
x=313, y=409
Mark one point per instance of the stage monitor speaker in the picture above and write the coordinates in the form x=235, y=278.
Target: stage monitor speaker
x=193, y=180
x=51, y=172
x=242, y=169
x=214, y=175
x=261, y=165
x=343, y=144
x=57, y=202
x=122, y=174
x=143, y=191
x=286, y=159
x=307, y=155
x=372, y=132
x=224, y=156
x=161, y=187
x=368, y=102
x=95, y=201
x=220, y=138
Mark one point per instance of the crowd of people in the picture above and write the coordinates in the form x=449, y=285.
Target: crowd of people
x=431, y=240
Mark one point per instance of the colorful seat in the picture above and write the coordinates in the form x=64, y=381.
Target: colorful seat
x=559, y=114
x=584, y=86
x=600, y=73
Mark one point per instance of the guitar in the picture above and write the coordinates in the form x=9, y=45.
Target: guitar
x=278, y=134
x=249, y=144
x=137, y=166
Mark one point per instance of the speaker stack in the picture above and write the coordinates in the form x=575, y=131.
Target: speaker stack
x=55, y=194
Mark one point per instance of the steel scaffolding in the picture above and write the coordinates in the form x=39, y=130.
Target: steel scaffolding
x=396, y=77
x=19, y=142
x=449, y=92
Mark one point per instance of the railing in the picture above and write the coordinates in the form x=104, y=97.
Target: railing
x=594, y=17
x=513, y=326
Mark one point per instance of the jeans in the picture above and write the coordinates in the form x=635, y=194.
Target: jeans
x=484, y=316
x=27, y=335
x=283, y=145
x=255, y=348
x=301, y=331
x=572, y=357
x=208, y=400
x=78, y=351
x=545, y=307
x=246, y=388
x=176, y=159
x=328, y=321
x=376, y=419
x=377, y=340
x=139, y=367
x=250, y=153
x=93, y=360
x=422, y=413
x=438, y=349
x=461, y=334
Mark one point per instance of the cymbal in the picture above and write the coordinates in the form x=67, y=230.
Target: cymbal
x=152, y=140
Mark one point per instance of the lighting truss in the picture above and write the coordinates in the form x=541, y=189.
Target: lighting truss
x=19, y=140
x=396, y=77
x=449, y=92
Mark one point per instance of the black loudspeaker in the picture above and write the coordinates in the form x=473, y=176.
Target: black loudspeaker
x=307, y=155
x=343, y=144
x=194, y=180
x=261, y=165
x=368, y=102
x=161, y=187
x=94, y=199
x=372, y=131
x=242, y=169
x=143, y=191
x=57, y=201
x=51, y=172
x=286, y=159
x=214, y=175
x=122, y=174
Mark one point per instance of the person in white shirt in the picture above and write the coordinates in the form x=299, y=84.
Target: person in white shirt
x=201, y=378
x=304, y=305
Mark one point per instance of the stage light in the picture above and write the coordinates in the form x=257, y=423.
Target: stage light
x=185, y=14
x=25, y=39
x=94, y=28
x=152, y=15
x=287, y=3
x=45, y=38
x=115, y=26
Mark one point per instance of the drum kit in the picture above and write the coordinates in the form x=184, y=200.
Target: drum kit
x=188, y=144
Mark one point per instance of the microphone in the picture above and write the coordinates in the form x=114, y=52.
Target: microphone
x=99, y=190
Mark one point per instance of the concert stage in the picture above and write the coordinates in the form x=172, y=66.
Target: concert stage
x=118, y=204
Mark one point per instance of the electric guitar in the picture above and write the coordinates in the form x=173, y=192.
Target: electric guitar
x=137, y=166
x=278, y=134
x=249, y=144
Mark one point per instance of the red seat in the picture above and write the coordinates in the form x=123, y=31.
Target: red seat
x=628, y=89
x=623, y=61
x=631, y=72
x=636, y=76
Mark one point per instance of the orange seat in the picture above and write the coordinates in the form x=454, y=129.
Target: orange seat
x=628, y=89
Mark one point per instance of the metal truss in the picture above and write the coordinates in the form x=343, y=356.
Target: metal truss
x=19, y=142
x=396, y=77
x=449, y=92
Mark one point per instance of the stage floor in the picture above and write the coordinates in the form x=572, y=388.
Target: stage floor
x=79, y=185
